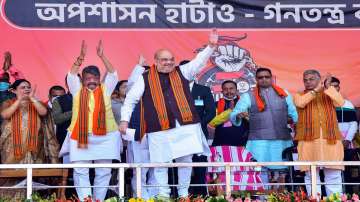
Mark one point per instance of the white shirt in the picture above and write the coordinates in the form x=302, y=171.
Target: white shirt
x=188, y=70
x=107, y=146
x=162, y=146
x=348, y=129
x=110, y=82
x=135, y=75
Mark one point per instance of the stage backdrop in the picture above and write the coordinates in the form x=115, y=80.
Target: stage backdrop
x=290, y=36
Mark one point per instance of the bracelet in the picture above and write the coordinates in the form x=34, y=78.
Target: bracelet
x=313, y=92
x=78, y=61
x=76, y=64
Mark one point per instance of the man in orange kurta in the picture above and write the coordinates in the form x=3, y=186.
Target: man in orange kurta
x=317, y=130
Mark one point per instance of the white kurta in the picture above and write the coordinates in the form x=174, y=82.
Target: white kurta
x=164, y=146
x=348, y=129
x=104, y=147
x=138, y=152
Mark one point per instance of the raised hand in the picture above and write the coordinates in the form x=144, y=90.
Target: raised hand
x=7, y=55
x=327, y=80
x=32, y=92
x=41, y=109
x=213, y=38
x=320, y=85
x=142, y=60
x=324, y=83
x=100, y=53
x=100, y=49
x=83, y=49
x=7, y=60
x=80, y=59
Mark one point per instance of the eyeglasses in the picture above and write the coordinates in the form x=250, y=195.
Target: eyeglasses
x=263, y=77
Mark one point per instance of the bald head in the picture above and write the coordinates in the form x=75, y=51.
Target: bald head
x=164, y=61
x=161, y=52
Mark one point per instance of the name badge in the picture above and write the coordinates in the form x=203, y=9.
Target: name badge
x=199, y=102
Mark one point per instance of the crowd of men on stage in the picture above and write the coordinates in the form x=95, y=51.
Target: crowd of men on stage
x=93, y=118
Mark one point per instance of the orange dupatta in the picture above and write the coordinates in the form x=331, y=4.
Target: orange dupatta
x=260, y=100
x=32, y=136
x=80, y=131
x=158, y=97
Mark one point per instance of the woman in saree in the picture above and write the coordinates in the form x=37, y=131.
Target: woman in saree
x=27, y=132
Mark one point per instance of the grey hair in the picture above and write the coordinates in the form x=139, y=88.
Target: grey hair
x=156, y=55
x=312, y=71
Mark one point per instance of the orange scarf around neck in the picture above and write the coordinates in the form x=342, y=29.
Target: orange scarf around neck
x=307, y=114
x=80, y=131
x=142, y=120
x=158, y=97
x=32, y=136
x=221, y=105
x=260, y=102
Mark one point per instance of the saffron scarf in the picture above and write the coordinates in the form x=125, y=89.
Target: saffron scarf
x=158, y=97
x=221, y=105
x=32, y=136
x=260, y=102
x=330, y=119
x=142, y=120
x=80, y=131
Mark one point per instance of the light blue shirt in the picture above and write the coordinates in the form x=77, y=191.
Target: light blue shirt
x=244, y=104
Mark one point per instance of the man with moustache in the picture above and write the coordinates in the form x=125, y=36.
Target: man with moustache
x=268, y=108
x=168, y=115
x=93, y=133
x=317, y=130
x=227, y=134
